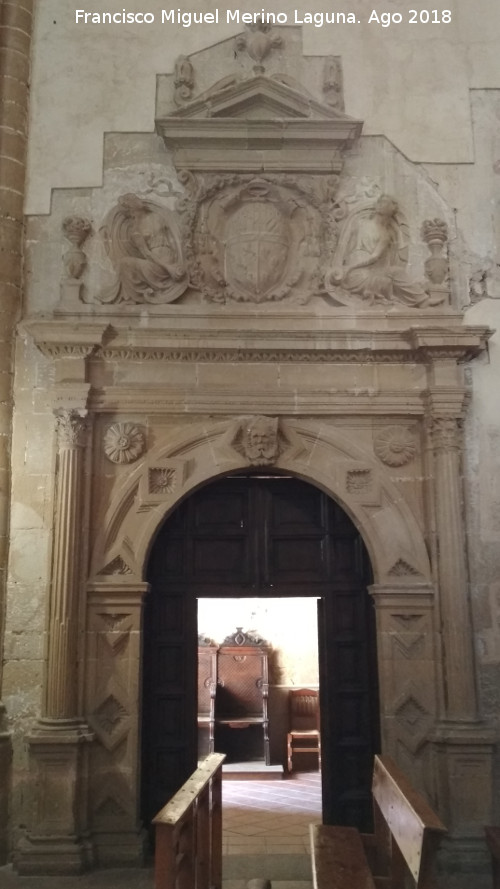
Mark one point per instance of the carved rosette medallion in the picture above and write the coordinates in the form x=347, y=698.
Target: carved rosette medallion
x=396, y=445
x=124, y=442
x=255, y=239
x=446, y=433
x=71, y=428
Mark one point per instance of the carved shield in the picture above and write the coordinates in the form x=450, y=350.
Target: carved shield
x=257, y=244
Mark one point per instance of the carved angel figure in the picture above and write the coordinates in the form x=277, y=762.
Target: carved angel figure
x=371, y=257
x=144, y=247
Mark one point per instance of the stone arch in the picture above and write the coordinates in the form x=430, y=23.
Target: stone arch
x=314, y=451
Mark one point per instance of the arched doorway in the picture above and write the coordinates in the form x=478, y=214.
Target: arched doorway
x=261, y=536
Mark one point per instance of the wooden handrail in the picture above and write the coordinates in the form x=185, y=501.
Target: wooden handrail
x=188, y=852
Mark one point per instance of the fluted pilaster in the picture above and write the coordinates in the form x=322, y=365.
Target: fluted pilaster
x=456, y=625
x=61, y=701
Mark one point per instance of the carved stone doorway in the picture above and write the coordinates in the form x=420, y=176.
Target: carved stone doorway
x=262, y=536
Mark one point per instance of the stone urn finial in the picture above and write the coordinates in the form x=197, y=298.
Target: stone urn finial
x=258, y=42
x=435, y=234
x=76, y=229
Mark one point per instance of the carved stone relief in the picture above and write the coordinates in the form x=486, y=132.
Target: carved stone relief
x=124, y=442
x=143, y=243
x=255, y=239
x=110, y=722
x=396, y=445
x=258, y=439
x=183, y=80
x=76, y=230
x=369, y=264
x=402, y=568
x=258, y=43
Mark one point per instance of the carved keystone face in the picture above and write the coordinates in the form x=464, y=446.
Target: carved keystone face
x=262, y=441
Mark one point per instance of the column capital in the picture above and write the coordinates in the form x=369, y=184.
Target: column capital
x=71, y=427
x=446, y=433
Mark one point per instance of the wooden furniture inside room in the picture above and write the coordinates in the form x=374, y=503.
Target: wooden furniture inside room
x=207, y=685
x=241, y=716
x=303, y=735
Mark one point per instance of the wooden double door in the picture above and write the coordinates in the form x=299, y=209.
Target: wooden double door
x=261, y=537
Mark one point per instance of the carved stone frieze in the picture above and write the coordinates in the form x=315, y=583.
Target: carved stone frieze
x=396, y=445
x=143, y=243
x=413, y=719
x=124, y=442
x=258, y=440
x=369, y=264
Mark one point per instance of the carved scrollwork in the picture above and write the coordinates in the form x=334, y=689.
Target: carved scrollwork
x=183, y=80
x=144, y=245
x=395, y=445
x=124, y=442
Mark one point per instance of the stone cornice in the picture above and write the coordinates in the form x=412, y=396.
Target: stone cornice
x=313, y=339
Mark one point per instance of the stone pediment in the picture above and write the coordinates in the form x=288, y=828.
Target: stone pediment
x=260, y=98
x=261, y=123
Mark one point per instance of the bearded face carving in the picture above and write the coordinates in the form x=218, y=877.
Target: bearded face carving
x=259, y=441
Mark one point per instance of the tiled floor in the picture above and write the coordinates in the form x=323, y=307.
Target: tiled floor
x=265, y=835
x=270, y=817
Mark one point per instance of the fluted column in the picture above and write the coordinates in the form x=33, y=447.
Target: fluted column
x=463, y=744
x=58, y=840
x=61, y=699
x=455, y=618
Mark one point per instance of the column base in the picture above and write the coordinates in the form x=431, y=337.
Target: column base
x=463, y=759
x=58, y=839
x=126, y=849
x=53, y=856
x=463, y=862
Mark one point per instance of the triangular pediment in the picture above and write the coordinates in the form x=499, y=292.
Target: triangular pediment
x=257, y=98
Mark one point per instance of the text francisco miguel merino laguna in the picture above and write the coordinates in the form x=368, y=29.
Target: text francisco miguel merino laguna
x=186, y=19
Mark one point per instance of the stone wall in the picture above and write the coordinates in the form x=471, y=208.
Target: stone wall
x=430, y=99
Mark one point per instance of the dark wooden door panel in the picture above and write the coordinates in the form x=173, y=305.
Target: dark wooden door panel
x=259, y=536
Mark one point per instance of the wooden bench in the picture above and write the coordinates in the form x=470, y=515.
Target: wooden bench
x=402, y=847
x=493, y=840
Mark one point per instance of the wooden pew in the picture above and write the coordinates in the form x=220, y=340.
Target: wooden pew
x=402, y=847
x=406, y=830
x=493, y=840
